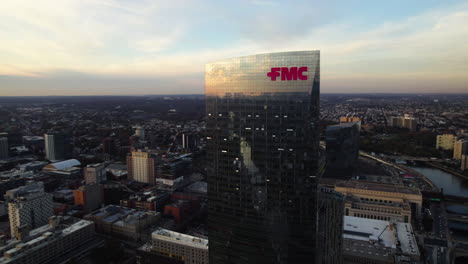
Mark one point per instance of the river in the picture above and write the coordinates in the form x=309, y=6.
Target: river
x=451, y=184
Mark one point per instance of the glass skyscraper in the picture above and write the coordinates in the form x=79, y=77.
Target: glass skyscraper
x=263, y=146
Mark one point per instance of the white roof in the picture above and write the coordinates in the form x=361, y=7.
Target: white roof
x=388, y=234
x=63, y=165
x=179, y=238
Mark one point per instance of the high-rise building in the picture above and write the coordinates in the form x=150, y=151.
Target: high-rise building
x=3, y=147
x=445, y=141
x=464, y=162
x=141, y=166
x=173, y=172
x=331, y=226
x=89, y=196
x=95, y=173
x=57, y=146
x=342, y=150
x=140, y=132
x=263, y=147
x=111, y=146
x=460, y=147
x=405, y=121
x=29, y=207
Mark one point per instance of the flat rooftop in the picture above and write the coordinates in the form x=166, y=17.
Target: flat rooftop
x=397, y=236
x=175, y=237
x=372, y=186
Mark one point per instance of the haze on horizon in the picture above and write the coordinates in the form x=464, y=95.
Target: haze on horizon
x=136, y=47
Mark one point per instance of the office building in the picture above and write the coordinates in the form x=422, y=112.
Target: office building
x=342, y=150
x=141, y=166
x=263, y=146
x=445, y=141
x=376, y=241
x=29, y=207
x=151, y=200
x=3, y=147
x=89, y=196
x=61, y=239
x=173, y=172
x=189, y=141
x=460, y=147
x=95, y=173
x=57, y=146
x=122, y=222
x=330, y=232
x=173, y=247
x=380, y=200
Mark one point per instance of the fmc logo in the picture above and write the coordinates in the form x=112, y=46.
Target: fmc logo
x=288, y=74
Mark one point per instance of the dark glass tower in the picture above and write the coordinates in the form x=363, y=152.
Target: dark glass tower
x=262, y=128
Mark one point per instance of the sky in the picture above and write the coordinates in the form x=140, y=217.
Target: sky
x=137, y=47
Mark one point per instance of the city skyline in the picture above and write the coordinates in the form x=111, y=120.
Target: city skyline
x=100, y=47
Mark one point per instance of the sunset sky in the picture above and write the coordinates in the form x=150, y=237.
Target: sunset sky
x=134, y=47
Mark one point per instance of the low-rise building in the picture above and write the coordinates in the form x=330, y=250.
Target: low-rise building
x=375, y=209
x=381, y=196
x=375, y=241
x=62, y=239
x=123, y=222
x=176, y=247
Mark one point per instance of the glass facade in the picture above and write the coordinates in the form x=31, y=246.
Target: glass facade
x=342, y=151
x=263, y=146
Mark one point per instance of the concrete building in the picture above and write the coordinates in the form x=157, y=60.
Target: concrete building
x=405, y=121
x=3, y=147
x=28, y=207
x=89, y=196
x=349, y=119
x=460, y=147
x=342, y=150
x=150, y=201
x=57, y=146
x=371, y=200
x=464, y=162
x=61, y=239
x=173, y=245
x=123, y=222
x=376, y=209
x=141, y=166
x=95, y=173
x=445, y=141
x=374, y=241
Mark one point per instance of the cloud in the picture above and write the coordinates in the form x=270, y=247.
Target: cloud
x=163, y=40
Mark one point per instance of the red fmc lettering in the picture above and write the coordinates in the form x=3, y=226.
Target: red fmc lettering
x=288, y=73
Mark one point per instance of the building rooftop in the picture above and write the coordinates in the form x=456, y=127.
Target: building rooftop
x=380, y=235
x=371, y=186
x=175, y=237
x=62, y=165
